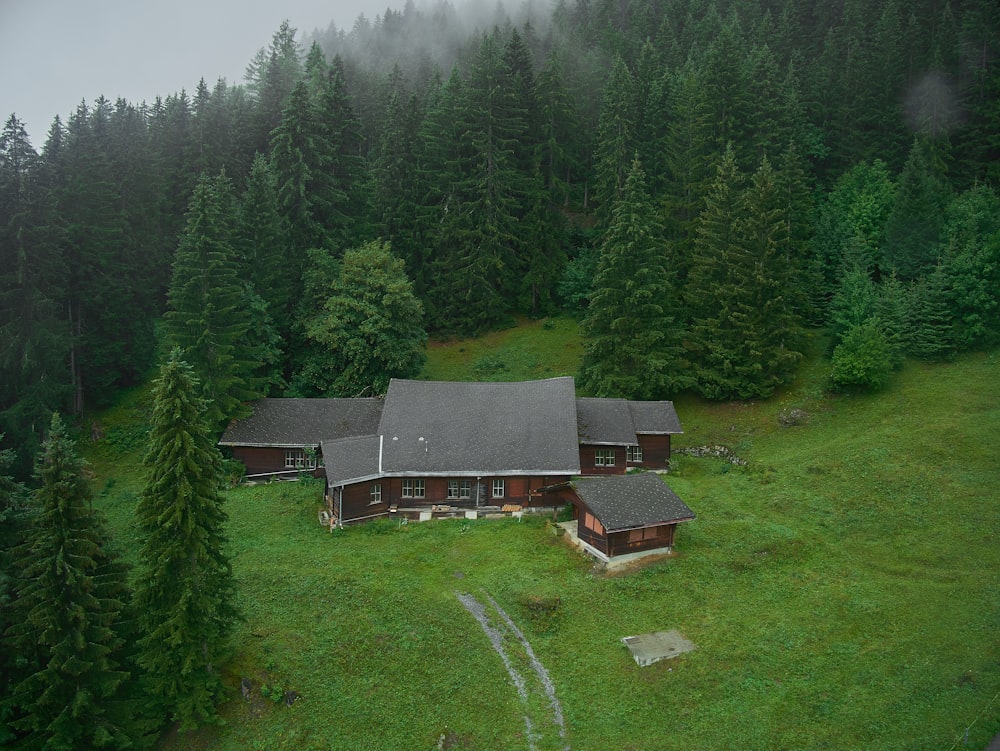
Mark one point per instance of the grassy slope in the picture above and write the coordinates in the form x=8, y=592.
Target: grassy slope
x=842, y=590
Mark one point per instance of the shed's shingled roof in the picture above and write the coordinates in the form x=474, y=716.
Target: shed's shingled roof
x=303, y=422
x=623, y=502
x=618, y=421
x=442, y=427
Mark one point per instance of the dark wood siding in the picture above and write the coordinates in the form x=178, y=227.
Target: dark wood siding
x=589, y=528
x=517, y=490
x=588, y=460
x=655, y=451
x=636, y=540
x=356, y=505
x=265, y=460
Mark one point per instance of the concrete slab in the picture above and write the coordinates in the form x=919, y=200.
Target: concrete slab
x=659, y=645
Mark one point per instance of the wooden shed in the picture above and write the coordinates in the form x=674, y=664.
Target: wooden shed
x=621, y=514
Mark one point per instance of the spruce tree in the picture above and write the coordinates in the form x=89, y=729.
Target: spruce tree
x=185, y=596
x=972, y=264
x=70, y=598
x=208, y=316
x=616, y=147
x=914, y=226
x=632, y=330
x=931, y=318
x=743, y=289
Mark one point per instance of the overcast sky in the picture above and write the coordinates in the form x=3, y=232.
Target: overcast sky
x=53, y=53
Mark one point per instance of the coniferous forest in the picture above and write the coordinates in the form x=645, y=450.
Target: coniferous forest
x=704, y=184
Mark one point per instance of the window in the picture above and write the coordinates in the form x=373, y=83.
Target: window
x=633, y=454
x=590, y=522
x=299, y=459
x=498, y=489
x=646, y=533
x=604, y=457
x=452, y=489
x=413, y=488
x=465, y=489
x=375, y=494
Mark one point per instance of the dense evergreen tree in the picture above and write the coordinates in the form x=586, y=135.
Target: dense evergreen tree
x=71, y=595
x=14, y=519
x=262, y=246
x=850, y=229
x=913, y=228
x=742, y=289
x=862, y=359
x=208, y=316
x=616, y=145
x=34, y=341
x=971, y=262
x=633, y=332
x=931, y=321
x=271, y=76
x=185, y=594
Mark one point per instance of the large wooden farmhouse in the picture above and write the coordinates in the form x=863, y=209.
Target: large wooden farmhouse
x=445, y=445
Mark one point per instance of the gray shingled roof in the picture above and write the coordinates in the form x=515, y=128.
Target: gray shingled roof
x=351, y=459
x=441, y=427
x=655, y=417
x=630, y=501
x=604, y=421
x=303, y=422
x=617, y=421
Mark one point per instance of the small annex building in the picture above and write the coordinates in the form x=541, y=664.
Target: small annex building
x=441, y=447
x=621, y=514
x=283, y=436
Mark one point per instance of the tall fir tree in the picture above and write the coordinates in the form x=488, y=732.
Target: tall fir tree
x=185, y=593
x=208, y=318
x=71, y=598
x=746, y=330
x=971, y=261
x=616, y=148
x=632, y=329
x=914, y=225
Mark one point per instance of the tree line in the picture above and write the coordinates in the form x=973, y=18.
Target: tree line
x=804, y=165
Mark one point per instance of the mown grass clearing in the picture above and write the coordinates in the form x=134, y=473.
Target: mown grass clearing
x=534, y=349
x=843, y=590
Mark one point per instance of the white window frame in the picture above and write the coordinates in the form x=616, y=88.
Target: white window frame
x=604, y=457
x=633, y=454
x=499, y=488
x=413, y=488
x=453, y=490
x=375, y=494
x=299, y=459
x=465, y=489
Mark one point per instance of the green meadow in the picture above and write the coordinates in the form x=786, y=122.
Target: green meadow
x=843, y=588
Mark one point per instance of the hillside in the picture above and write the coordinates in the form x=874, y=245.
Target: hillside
x=841, y=590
